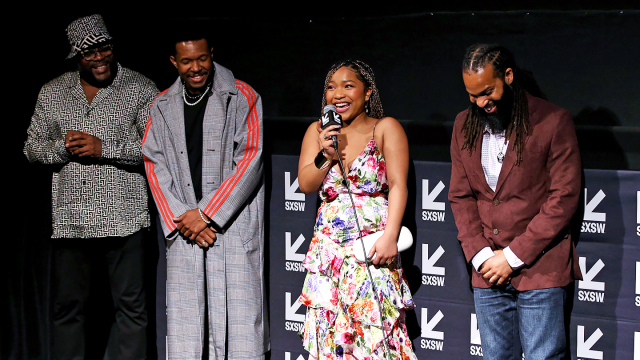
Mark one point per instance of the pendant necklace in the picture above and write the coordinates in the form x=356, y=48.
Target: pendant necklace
x=500, y=156
x=194, y=97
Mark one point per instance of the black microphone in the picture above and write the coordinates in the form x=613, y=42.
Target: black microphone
x=331, y=117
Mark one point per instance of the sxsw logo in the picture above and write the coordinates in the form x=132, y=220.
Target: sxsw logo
x=432, y=210
x=293, y=320
x=293, y=258
x=294, y=201
x=589, y=289
x=476, y=345
x=287, y=356
x=432, y=339
x=326, y=119
x=585, y=347
x=593, y=222
x=431, y=274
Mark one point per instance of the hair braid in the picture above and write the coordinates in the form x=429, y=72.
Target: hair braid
x=476, y=58
x=373, y=106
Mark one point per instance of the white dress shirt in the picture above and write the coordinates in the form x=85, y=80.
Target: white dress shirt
x=492, y=145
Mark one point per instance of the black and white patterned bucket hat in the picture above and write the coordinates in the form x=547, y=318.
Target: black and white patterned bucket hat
x=86, y=32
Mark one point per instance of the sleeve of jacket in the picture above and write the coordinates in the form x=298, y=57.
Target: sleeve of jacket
x=127, y=149
x=45, y=141
x=565, y=172
x=221, y=205
x=463, y=200
x=159, y=175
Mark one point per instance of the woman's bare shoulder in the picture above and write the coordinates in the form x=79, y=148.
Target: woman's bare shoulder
x=388, y=125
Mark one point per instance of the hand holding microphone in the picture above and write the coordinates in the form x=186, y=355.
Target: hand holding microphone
x=328, y=129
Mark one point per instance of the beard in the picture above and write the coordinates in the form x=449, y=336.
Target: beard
x=87, y=75
x=499, y=120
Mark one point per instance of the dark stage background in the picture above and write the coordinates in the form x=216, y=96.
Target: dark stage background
x=585, y=59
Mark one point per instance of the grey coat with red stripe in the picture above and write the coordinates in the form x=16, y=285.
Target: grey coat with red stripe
x=233, y=197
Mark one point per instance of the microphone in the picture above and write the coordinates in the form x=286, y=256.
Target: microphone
x=330, y=117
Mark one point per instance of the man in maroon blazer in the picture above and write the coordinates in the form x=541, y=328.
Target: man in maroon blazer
x=515, y=184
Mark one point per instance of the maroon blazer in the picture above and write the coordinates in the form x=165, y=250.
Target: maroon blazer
x=533, y=202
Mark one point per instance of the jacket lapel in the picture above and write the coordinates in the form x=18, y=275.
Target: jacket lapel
x=216, y=113
x=510, y=157
x=173, y=112
x=476, y=160
x=507, y=164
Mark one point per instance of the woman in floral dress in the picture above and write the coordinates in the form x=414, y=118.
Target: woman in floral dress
x=343, y=320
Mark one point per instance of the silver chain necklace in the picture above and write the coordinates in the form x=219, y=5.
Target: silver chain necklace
x=500, y=155
x=184, y=96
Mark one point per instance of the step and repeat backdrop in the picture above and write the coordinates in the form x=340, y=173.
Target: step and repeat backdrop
x=605, y=320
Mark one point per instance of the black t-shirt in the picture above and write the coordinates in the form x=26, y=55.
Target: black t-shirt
x=193, y=119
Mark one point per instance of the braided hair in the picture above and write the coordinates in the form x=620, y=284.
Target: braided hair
x=476, y=58
x=373, y=107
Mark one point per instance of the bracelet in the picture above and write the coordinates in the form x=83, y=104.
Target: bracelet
x=203, y=218
x=321, y=161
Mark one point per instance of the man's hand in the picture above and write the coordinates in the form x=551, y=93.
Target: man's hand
x=496, y=269
x=82, y=144
x=190, y=224
x=206, y=237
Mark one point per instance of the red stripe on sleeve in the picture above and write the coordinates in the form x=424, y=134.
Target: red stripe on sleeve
x=230, y=183
x=163, y=205
x=250, y=152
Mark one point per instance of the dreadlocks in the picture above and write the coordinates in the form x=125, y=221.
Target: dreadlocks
x=476, y=58
x=373, y=106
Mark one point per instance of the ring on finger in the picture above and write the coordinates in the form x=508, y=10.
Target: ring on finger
x=326, y=137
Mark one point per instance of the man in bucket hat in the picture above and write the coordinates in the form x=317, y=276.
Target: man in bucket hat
x=89, y=124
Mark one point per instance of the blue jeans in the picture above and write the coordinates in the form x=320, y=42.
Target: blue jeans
x=535, y=316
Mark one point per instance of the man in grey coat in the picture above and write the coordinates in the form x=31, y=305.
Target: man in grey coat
x=203, y=158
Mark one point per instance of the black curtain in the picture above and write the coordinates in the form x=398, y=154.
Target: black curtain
x=584, y=60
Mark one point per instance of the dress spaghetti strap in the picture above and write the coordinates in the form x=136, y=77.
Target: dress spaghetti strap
x=374, y=129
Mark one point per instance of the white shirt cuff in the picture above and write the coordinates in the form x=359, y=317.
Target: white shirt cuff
x=512, y=259
x=482, y=256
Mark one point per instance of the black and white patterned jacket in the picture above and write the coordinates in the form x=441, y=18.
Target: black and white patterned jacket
x=94, y=197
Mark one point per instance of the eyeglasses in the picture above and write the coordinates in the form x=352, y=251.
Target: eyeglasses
x=91, y=54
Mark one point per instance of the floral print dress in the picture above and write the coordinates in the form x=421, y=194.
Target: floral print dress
x=343, y=318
